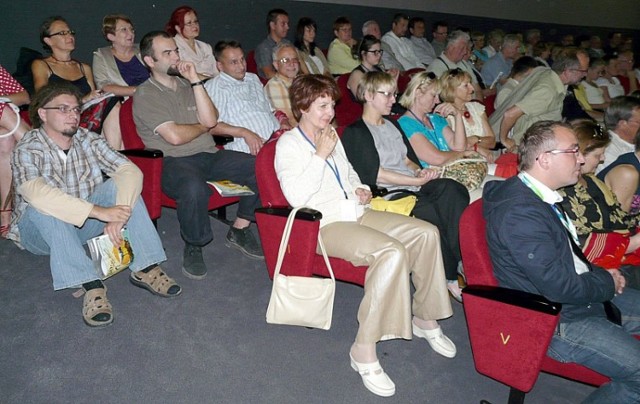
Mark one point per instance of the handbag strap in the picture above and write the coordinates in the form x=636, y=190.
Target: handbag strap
x=16, y=110
x=285, y=241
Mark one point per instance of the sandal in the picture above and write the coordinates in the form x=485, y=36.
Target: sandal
x=156, y=282
x=96, y=303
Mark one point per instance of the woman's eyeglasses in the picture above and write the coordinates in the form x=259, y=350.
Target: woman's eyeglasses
x=63, y=33
x=388, y=94
x=376, y=52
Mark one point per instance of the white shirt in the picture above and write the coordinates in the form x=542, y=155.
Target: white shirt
x=423, y=49
x=402, y=50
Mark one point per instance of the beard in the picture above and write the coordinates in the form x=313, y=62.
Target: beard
x=70, y=132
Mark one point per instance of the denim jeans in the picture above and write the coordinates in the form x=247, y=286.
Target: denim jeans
x=606, y=348
x=70, y=265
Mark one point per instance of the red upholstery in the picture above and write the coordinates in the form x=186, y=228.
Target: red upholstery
x=301, y=258
x=347, y=110
x=252, y=66
x=508, y=340
x=152, y=193
x=488, y=104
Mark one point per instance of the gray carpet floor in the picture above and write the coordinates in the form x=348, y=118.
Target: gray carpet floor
x=212, y=344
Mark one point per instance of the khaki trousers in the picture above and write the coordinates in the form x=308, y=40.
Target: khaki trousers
x=394, y=247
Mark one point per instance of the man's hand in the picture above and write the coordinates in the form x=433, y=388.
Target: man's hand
x=188, y=71
x=114, y=231
x=118, y=213
x=254, y=142
x=618, y=279
x=285, y=125
x=364, y=196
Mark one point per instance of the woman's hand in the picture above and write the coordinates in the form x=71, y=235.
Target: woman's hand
x=93, y=94
x=428, y=174
x=445, y=109
x=325, y=142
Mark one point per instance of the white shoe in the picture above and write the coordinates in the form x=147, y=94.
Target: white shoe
x=374, y=378
x=437, y=340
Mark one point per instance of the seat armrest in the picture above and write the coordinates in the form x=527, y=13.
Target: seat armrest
x=308, y=214
x=514, y=297
x=222, y=140
x=148, y=153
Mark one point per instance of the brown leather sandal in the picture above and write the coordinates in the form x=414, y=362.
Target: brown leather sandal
x=95, y=302
x=156, y=282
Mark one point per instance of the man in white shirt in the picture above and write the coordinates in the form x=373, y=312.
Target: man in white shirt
x=622, y=119
x=245, y=111
x=400, y=45
x=422, y=48
x=389, y=60
x=440, y=33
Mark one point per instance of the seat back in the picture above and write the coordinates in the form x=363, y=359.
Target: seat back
x=270, y=192
x=130, y=137
x=347, y=110
x=474, y=247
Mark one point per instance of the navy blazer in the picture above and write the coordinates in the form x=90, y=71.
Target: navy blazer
x=530, y=251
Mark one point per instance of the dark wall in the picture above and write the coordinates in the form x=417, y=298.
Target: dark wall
x=243, y=20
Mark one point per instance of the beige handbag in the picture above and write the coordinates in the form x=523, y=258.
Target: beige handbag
x=301, y=300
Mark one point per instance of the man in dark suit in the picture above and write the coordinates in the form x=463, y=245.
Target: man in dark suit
x=530, y=241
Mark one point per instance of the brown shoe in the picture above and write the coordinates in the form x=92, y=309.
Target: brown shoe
x=156, y=282
x=96, y=309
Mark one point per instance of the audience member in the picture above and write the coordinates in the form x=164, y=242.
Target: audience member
x=287, y=65
x=59, y=208
x=388, y=61
x=60, y=40
x=12, y=128
x=244, y=110
x=614, y=40
x=498, y=67
x=622, y=120
x=521, y=69
x=308, y=160
x=184, y=26
x=457, y=90
x=383, y=158
x=440, y=33
x=118, y=68
x=608, y=82
x=626, y=75
x=495, y=42
x=400, y=46
x=595, y=47
x=175, y=114
x=421, y=47
x=539, y=97
x=532, y=37
x=312, y=59
x=478, y=40
x=340, y=55
x=370, y=53
x=277, y=28
x=523, y=221
x=606, y=234
x=567, y=40
x=595, y=94
x=542, y=53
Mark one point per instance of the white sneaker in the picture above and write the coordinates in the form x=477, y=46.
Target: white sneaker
x=437, y=340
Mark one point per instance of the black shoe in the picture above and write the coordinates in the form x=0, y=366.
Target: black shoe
x=192, y=262
x=245, y=241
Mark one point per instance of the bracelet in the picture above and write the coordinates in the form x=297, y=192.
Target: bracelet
x=197, y=83
x=475, y=147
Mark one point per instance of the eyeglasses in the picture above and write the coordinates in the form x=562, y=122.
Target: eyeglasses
x=376, y=52
x=388, y=94
x=192, y=23
x=574, y=150
x=126, y=29
x=65, y=109
x=63, y=33
x=285, y=61
x=580, y=70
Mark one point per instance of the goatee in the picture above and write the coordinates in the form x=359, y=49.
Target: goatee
x=70, y=132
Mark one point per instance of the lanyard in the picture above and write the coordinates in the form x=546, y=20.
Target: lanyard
x=334, y=167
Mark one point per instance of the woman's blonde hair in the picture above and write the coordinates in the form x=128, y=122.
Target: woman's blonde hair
x=450, y=81
x=372, y=81
x=419, y=82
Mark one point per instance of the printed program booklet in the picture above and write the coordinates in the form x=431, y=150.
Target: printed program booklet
x=228, y=188
x=109, y=259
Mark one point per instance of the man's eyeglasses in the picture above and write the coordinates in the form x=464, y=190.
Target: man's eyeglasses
x=574, y=150
x=63, y=33
x=388, y=94
x=580, y=70
x=376, y=52
x=285, y=61
x=65, y=109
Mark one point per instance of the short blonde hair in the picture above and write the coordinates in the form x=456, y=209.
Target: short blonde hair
x=372, y=81
x=450, y=81
x=419, y=82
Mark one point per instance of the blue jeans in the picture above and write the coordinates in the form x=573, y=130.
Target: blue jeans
x=70, y=265
x=606, y=348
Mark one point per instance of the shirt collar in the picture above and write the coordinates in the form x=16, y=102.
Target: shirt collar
x=545, y=193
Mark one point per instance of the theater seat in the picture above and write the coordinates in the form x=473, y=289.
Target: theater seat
x=150, y=162
x=509, y=330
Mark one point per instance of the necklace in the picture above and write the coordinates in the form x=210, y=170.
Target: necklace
x=464, y=112
x=421, y=121
x=60, y=61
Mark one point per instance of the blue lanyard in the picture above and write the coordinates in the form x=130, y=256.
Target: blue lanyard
x=334, y=167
